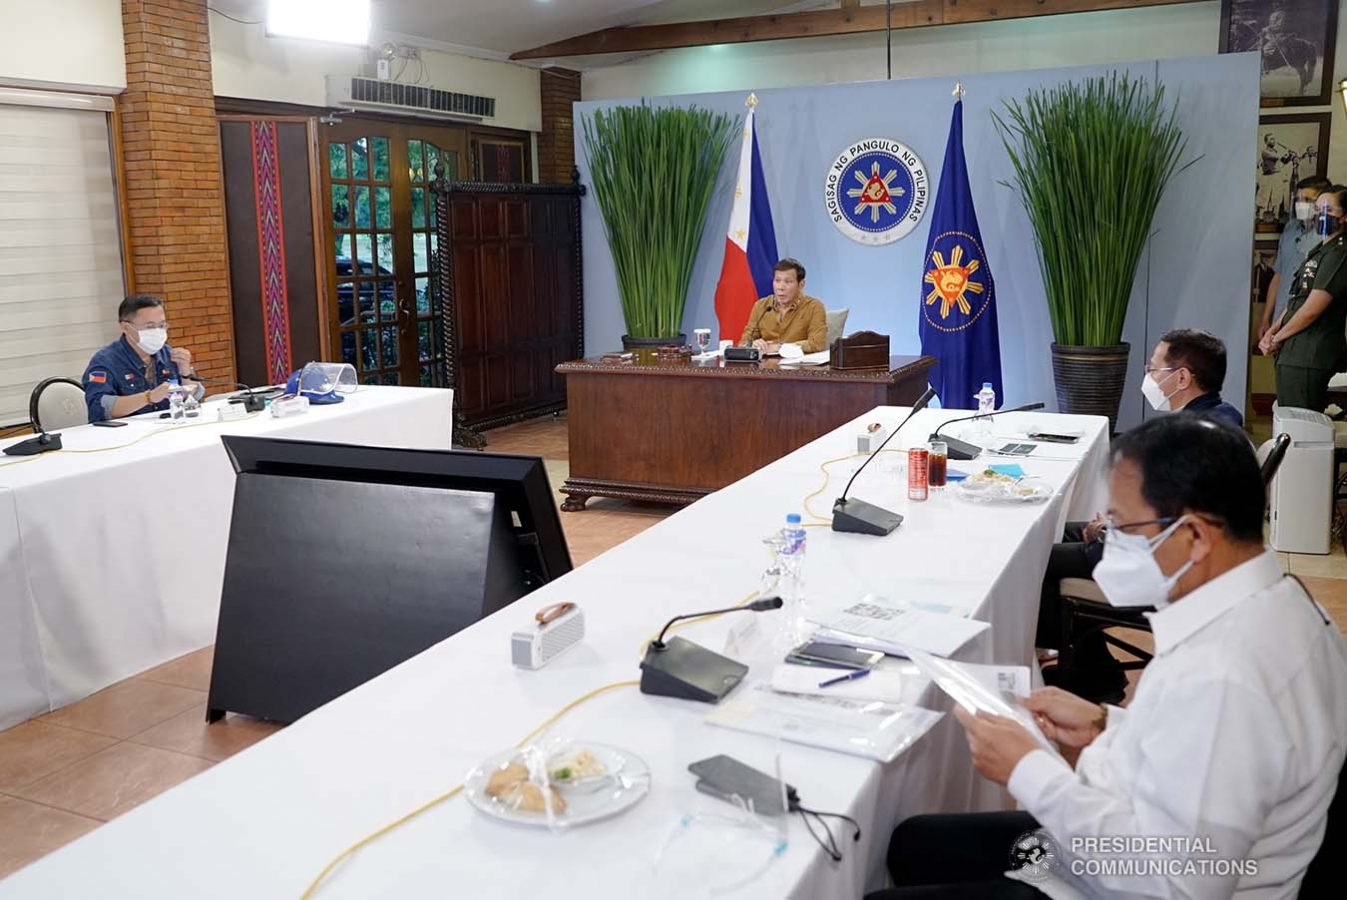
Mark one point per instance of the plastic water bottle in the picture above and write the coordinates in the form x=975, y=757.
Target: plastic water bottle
x=791, y=587
x=190, y=405
x=177, y=407
x=986, y=399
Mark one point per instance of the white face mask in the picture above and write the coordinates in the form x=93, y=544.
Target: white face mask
x=151, y=340
x=1128, y=574
x=1304, y=211
x=1155, y=395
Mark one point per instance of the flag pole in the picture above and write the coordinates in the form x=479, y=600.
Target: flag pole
x=752, y=101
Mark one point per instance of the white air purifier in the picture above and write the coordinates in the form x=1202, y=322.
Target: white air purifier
x=1302, y=490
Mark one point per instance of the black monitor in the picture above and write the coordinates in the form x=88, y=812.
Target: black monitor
x=344, y=561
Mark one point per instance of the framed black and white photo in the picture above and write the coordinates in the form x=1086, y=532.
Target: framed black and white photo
x=1290, y=148
x=1295, y=40
x=1264, y=260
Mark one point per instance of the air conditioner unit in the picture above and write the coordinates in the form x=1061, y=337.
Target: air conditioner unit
x=1302, y=491
x=354, y=92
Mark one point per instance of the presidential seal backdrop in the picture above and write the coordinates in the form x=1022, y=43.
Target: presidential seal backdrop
x=876, y=191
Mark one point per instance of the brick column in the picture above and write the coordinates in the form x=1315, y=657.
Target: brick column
x=556, y=142
x=175, y=203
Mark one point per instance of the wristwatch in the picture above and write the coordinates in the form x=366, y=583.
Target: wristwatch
x=148, y=401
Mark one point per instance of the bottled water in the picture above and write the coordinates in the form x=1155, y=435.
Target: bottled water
x=190, y=405
x=177, y=407
x=790, y=557
x=986, y=399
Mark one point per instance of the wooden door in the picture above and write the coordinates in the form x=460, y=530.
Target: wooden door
x=381, y=298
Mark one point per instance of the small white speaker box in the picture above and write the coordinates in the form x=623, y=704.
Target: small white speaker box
x=557, y=629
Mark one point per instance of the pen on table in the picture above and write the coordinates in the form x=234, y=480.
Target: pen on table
x=850, y=676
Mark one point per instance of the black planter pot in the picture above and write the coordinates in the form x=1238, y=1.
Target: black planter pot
x=1090, y=380
x=632, y=343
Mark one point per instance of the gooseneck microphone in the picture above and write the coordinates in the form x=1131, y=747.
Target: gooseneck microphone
x=689, y=671
x=252, y=402
x=962, y=449
x=859, y=517
x=750, y=353
x=756, y=606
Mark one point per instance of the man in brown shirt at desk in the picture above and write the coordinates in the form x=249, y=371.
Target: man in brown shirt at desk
x=789, y=316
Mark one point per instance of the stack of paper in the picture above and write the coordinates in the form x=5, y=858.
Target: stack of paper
x=878, y=624
x=820, y=358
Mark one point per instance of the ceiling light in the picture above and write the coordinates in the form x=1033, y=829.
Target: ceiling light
x=333, y=21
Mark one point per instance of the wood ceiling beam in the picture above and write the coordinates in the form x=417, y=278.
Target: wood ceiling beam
x=849, y=19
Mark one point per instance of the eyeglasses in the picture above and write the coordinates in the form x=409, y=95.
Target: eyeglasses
x=1127, y=527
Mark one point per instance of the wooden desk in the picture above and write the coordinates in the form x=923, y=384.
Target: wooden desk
x=672, y=432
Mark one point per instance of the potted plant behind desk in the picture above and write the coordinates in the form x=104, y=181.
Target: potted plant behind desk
x=1091, y=162
x=653, y=172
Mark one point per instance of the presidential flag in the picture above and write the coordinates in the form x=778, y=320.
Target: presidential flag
x=750, y=244
x=958, y=297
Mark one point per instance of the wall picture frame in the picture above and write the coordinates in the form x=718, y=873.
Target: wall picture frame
x=1290, y=147
x=1295, y=39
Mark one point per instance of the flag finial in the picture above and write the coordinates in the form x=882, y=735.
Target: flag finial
x=752, y=101
x=958, y=90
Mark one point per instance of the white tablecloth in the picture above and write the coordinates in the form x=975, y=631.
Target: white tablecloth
x=112, y=562
x=282, y=809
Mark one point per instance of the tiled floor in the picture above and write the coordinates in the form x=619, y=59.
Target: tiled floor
x=69, y=771
x=65, y=773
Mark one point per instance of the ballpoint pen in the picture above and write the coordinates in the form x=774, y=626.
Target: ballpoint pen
x=850, y=676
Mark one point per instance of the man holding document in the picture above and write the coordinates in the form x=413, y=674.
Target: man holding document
x=1217, y=778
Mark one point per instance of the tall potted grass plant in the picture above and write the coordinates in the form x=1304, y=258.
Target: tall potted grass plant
x=653, y=171
x=1091, y=161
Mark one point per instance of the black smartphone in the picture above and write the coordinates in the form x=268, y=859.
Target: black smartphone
x=817, y=653
x=109, y=423
x=1054, y=438
x=1017, y=449
x=726, y=777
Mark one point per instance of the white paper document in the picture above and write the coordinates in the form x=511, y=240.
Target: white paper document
x=978, y=688
x=880, y=684
x=821, y=358
x=874, y=623
x=869, y=728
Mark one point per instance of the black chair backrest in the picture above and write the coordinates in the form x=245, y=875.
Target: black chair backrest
x=1323, y=878
x=33, y=416
x=1275, y=457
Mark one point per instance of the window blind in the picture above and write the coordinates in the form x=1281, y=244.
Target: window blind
x=60, y=243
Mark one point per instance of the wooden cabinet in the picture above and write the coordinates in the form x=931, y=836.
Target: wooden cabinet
x=511, y=296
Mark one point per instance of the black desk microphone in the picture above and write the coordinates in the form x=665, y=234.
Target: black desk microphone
x=689, y=671
x=750, y=354
x=251, y=402
x=962, y=449
x=857, y=516
x=43, y=443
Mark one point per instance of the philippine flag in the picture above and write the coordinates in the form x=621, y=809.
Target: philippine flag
x=750, y=245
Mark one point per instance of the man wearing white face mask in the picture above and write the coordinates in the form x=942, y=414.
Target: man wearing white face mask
x=1236, y=737
x=1187, y=371
x=134, y=373
x=1298, y=238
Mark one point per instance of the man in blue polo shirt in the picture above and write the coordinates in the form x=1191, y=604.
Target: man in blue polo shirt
x=133, y=374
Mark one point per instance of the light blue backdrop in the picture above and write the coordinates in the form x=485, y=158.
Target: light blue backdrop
x=1195, y=271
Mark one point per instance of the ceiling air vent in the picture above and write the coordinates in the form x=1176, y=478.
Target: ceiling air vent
x=407, y=99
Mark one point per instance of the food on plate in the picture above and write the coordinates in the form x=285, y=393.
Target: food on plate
x=506, y=777
x=526, y=796
x=510, y=785
x=576, y=766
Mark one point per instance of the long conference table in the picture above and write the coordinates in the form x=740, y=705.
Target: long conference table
x=266, y=821
x=112, y=551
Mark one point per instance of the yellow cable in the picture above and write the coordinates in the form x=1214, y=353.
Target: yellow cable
x=452, y=792
x=171, y=429
x=827, y=477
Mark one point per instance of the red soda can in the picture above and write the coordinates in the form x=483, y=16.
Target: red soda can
x=918, y=458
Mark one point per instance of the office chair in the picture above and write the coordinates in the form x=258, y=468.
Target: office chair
x=1085, y=611
x=57, y=403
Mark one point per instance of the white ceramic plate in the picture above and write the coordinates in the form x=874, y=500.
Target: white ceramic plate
x=1026, y=490
x=625, y=785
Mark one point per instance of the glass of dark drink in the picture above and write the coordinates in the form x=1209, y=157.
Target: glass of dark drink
x=936, y=464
